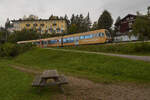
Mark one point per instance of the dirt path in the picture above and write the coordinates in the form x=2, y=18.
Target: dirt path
x=143, y=58
x=82, y=89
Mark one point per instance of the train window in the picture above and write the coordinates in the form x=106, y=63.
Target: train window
x=102, y=34
x=82, y=37
x=60, y=41
x=87, y=36
x=94, y=35
x=49, y=42
x=68, y=40
x=71, y=39
x=37, y=43
x=65, y=40
x=108, y=34
x=44, y=42
x=52, y=42
x=91, y=36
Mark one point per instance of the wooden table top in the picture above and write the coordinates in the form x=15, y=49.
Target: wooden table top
x=48, y=74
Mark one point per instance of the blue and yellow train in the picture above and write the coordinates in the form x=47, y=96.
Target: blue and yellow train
x=91, y=37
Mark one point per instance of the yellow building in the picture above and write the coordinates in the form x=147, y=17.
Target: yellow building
x=51, y=26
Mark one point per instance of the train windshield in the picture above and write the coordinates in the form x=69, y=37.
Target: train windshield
x=108, y=34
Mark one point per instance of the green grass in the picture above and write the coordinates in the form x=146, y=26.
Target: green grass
x=98, y=68
x=142, y=49
x=16, y=85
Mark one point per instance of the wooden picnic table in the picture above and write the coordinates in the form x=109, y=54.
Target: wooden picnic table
x=50, y=74
x=42, y=80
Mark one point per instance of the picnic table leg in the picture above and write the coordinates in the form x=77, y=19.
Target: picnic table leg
x=59, y=85
x=61, y=88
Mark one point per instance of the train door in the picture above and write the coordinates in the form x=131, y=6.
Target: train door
x=61, y=42
x=76, y=40
x=45, y=44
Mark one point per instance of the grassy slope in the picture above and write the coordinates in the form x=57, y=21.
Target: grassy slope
x=94, y=67
x=16, y=85
x=126, y=48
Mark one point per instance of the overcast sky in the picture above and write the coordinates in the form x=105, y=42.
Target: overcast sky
x=14, y=9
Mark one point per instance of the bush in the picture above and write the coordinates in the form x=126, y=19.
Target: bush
x=12, y=50
x=123, y=48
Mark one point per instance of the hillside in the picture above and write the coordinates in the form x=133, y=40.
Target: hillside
x=90, y=76
x=98, y=68
x=138, y=48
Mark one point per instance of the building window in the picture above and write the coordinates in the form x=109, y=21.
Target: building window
x=28, y=25
x=132, y=18
x=130, y=25
x=54, y=31
x=51, y=30
x=42, y=25
x=54, y=24
x=127, y=18
x=62, y=31
x=35, y=25
x=58, y=30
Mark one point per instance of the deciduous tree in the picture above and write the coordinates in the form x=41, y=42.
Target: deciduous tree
x=141, y=27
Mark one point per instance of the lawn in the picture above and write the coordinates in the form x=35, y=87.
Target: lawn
x=98, y=68
x=141, y=49
x=16, y=85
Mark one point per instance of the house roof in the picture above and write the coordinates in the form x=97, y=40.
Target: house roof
x=125, y=18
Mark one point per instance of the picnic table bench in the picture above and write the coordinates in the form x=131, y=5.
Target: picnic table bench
x=43, y=79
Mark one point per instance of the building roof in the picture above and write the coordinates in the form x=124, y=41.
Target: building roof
x=36, y=20
x=128, y=16
x=125, y=18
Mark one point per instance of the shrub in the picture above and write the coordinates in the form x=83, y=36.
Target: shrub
x=123, y=48
x=11, y=50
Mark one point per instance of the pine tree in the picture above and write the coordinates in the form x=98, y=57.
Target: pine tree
x=88, y=22
x=79, y=23
x=117, y=21
x=95, y=26
x=8, y=24
x=68, y=22
x=105, y=21
x=72, y=19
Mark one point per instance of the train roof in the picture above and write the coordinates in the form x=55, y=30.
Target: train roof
x=85, y=33
x=28, y=41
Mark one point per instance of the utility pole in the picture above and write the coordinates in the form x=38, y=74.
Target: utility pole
x=148, y=11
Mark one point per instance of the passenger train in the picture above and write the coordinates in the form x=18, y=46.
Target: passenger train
x=91, y=37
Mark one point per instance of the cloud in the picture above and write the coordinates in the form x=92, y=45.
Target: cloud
x=15, y=9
